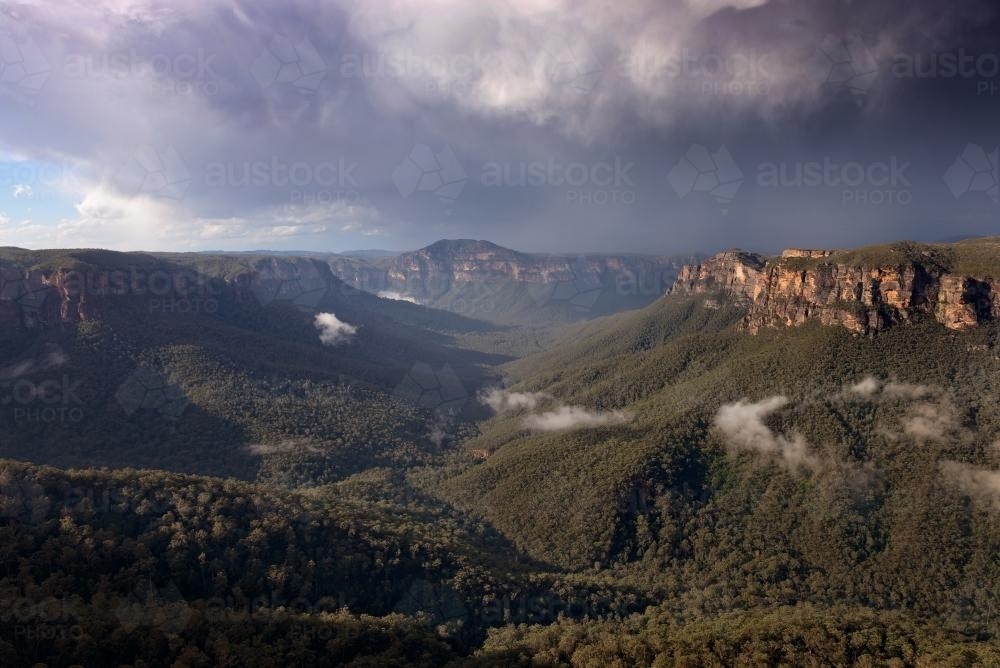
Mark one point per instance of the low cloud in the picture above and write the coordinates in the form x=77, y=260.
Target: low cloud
x=501, y=400
x=866, y=387
x=438, y=430
x=870, y=386
x=559, y=418
x=332, y=330
x=52, y=358
x=574, y=417
x=905, y=391
x=286, y=446
x=398, y=296
x=930, y=415
x=742, y=425
x=927, y=421
x=978, y=483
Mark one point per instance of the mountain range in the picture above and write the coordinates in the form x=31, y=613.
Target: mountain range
x=760, y=460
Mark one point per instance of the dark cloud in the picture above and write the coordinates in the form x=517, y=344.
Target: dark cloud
x=596, y=105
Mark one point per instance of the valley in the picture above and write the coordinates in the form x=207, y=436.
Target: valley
x=466, y=455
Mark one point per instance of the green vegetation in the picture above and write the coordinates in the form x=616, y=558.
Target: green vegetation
x=972, y=257
x=298, y=512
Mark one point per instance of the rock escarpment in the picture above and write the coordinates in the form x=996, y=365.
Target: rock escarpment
x=36, y=297
x=44, y=295
x=426, y=273
x=46, y=288
x=865, y=291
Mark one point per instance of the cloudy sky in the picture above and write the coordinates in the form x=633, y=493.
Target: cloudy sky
x=546, y=125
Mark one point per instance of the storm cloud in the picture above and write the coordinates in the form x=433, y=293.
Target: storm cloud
x=640, y=126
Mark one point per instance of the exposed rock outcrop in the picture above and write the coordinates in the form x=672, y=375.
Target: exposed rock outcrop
x=865, y=296
x=45, y=288
x=429, y=272
x=41, y=297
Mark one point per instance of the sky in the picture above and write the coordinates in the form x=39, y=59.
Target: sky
x=654, y=126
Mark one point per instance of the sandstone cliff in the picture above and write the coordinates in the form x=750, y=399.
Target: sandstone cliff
x=865, y=291
x=45, y=288
x=69, y=290
x=429, y=272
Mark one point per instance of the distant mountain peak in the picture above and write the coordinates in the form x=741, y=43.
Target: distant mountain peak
x=464, y=245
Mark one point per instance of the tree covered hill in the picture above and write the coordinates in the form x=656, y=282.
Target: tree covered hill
x=247, y=362
x=802, y=465
x=661, y=487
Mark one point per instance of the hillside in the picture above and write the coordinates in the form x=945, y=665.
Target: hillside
x=799, y=465
x=256, y=391
x=666, y=486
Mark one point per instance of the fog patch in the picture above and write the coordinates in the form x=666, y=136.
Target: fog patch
x=931, y=422
x=501, y=400
x=289, y=445
x=52, y=358
x=981, y=484
x=574, y=417
x=866, y=387
x=397, y=296
x=743, y=427
x=906, y=391
x=871, y=387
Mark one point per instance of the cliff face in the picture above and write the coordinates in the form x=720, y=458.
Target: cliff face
x=36, y=297
x=39, y=297
x=45, y=288
x=429, y=272
x=863, y=297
